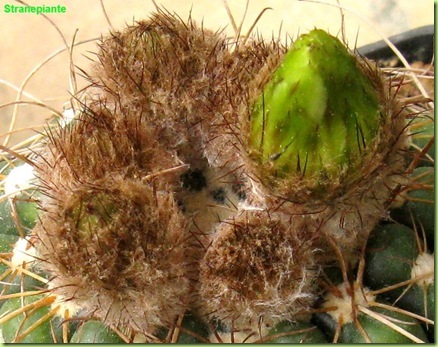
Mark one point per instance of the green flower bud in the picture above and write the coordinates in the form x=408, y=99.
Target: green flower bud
x=318, y=113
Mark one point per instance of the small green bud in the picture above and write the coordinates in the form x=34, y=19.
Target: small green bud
x=317, y=114
x=92, y=213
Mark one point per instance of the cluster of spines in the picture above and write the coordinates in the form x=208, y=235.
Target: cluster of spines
x=112, y=235
x=259, y=269
x=167, y=96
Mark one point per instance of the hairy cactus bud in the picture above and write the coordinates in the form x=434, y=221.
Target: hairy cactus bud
x=115, y=246
x=258, y=267
x=326, y=138
x=317, y=118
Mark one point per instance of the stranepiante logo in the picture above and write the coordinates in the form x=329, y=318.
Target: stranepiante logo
x=9, y=8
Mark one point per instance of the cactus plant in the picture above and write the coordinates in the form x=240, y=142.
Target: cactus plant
x=193, y=200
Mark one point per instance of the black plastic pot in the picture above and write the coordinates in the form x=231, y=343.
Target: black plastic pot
x=415, y=45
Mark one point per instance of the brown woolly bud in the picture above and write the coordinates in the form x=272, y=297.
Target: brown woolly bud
x=112, y=235
x=172, y=73
x=258, y=268
x=106, y=137
x=117, y=249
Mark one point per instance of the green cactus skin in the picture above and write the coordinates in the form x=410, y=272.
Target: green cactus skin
x=46, y=332
x=381, y=333
x=95, y=332
x=295, y=332
x=418, y=211
x=357, y=315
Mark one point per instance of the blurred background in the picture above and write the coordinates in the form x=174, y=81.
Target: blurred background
x=26, y=40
